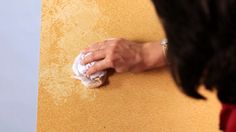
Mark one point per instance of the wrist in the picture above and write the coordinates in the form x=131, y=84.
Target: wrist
x=153, y=55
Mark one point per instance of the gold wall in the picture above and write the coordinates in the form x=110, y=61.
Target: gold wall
x=144, y=102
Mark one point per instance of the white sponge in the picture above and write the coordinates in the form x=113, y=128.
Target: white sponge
x=95, y=80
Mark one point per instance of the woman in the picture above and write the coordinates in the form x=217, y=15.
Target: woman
x=201, y=50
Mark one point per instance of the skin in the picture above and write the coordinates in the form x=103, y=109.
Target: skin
x=124, y=56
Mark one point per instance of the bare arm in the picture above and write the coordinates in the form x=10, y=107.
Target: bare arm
x=125, y=56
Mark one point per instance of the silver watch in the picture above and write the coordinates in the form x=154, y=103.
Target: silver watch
x=164, y=44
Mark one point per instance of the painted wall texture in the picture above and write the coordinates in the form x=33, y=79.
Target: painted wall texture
x=144, y=102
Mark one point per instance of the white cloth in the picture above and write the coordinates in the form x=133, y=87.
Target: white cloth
x=80, y=70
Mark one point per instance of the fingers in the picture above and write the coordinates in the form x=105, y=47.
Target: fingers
x=99, y=66
x=100, y=45
x=94, y=47
x=94, y=56
x=101, y=51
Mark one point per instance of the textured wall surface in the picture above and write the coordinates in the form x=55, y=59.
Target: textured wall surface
x=144, y=102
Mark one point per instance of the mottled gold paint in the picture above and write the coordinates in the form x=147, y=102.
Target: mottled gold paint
x=145, y=102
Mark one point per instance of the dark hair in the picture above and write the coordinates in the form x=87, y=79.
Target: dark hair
x=202, y=44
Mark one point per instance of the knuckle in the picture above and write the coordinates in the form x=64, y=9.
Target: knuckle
x=116, y=45
x=92, y=56
x=118, y=42
x=112, y=58
x=111, y=51
x=119, y=39
x=119, y=70
x=111, y=63
x=93, y=69
x=106, y=41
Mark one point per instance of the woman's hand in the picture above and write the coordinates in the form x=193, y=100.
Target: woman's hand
x=124, y=55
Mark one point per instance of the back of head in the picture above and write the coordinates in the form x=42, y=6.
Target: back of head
x=202, y=44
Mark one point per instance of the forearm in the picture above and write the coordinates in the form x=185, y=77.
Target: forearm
x=153, y=55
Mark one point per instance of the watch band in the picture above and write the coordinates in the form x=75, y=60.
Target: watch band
x=164, y=44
